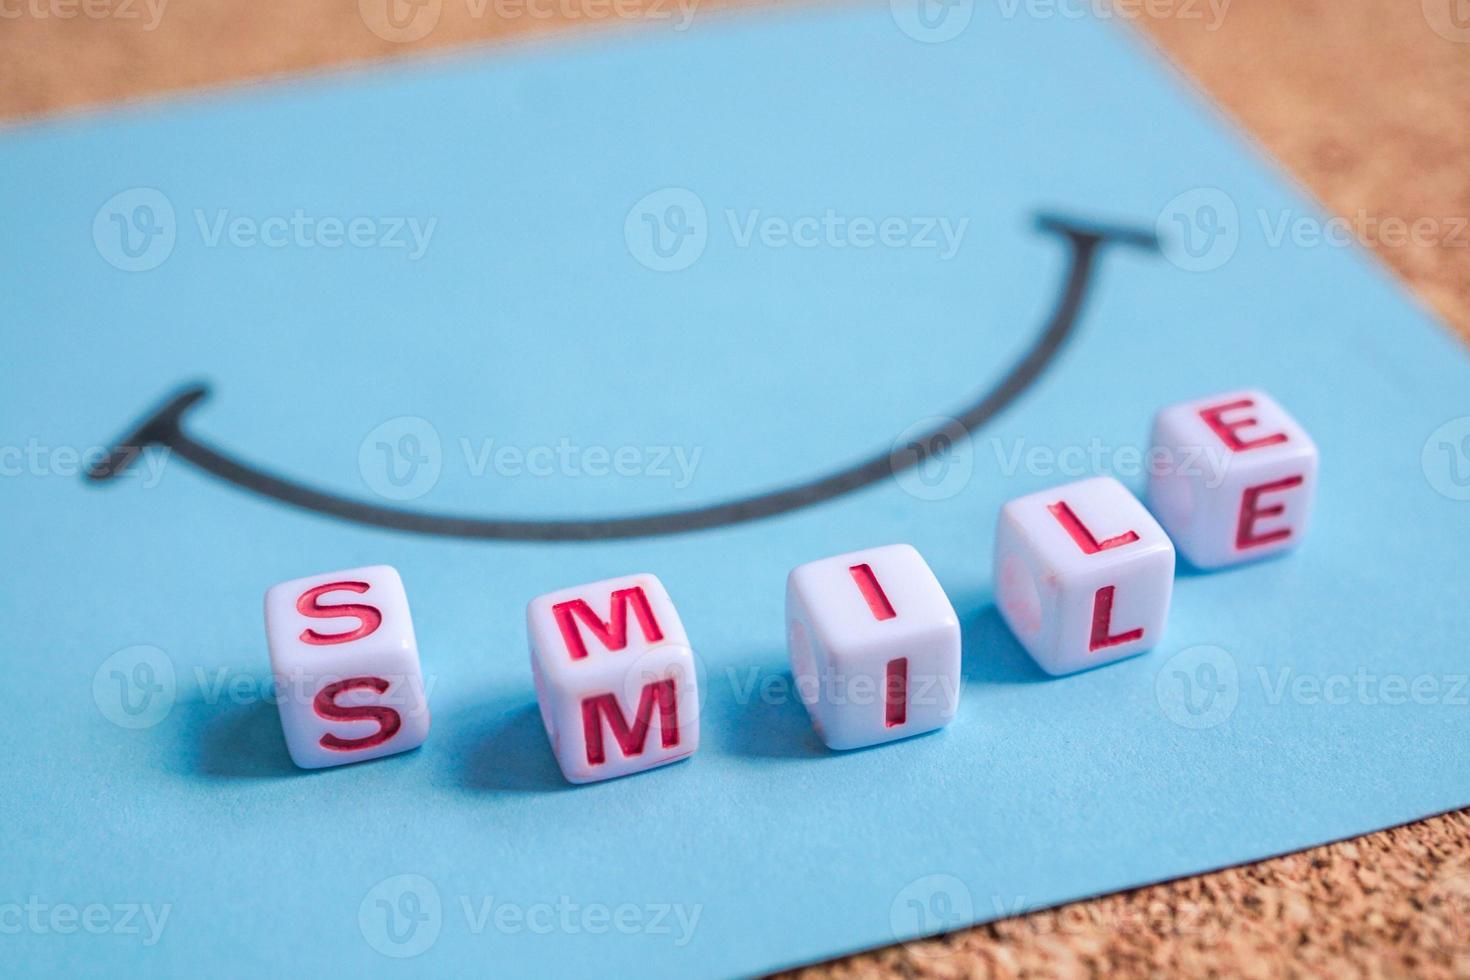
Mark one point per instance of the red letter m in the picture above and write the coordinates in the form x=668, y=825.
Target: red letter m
x=613, y=634
x=660, y=694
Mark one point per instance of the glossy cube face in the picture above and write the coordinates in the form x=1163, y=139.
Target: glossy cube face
x=346, y=667
x=615, y=677
x=1083, y=574
x=874, y=644
x=1232, y=478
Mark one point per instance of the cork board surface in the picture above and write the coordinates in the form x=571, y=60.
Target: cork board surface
x=1365, y=102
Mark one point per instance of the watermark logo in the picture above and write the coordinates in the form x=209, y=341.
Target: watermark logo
x=667, y=230
x=135, y=687
x=1362, y=686
x=690, y=677
x=401, y=916
x=400, y=21
x=135, y=229
x=1450, y=19
x=1446, y=459
x=932, y=21
x=1207, y=464
x=148, y=12
x=144, y=465
x=928, y=905
x=933, y=459
x=401, y=459
x=1199, y=230
x=833, y=230
x=39, y=918
x=1199, y=687
x=405, y=21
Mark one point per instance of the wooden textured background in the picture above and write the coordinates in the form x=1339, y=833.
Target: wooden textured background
x=1365, y=102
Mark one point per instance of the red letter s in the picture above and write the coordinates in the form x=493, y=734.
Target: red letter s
x=369, y=618
x=326, y=706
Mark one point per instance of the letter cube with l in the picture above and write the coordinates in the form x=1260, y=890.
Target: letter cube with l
x=874, y=644
x=1083, y=574
x=615, y=678
x=1232, y=477
x=346, y=667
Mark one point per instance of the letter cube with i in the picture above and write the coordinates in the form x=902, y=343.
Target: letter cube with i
x=346, y=667
x=1232, y=477
x=1083, y=574
x=615, y=677
x=874, y=644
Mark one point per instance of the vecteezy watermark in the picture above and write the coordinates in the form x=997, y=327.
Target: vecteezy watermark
x=36, y=458
x=135, y=687
x=403, y=458
x=36, y=917
x=676, y=921
x=925, y=906
x=145, y=13
x=403, y=916
x=1210, y=12
x=1446, y=459
x=1209, y=464
x=137, y=229
x=1362, y=686
x=404, y=21
x=936, y=21
x=831, y=229
x=932, y=21
x=1198, y=687
x=754, y=684
x=1450, y=19
x=138, y=687
x=1201, y=229
x=933, y=459
x=669, y=229
x=1289, y=227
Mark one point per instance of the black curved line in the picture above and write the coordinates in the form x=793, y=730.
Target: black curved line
x=164, y=427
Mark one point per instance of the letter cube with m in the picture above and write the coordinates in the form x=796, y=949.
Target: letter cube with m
x=614, y=676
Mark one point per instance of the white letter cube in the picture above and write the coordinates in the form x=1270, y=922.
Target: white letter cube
x=874, y=644
x=615, y=677
x=1083, y=574
x=1232, y=477
x=346, y=667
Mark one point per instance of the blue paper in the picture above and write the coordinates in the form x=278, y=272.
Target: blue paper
x=1292, y=702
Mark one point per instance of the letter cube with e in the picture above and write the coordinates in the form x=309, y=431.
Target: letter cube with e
x=1232, y=477
x=615, y=677
x=346, y=667
x=874, y=644
x=1083, y=574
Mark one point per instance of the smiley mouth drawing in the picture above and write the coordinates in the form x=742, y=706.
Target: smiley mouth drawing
x=1084, y=241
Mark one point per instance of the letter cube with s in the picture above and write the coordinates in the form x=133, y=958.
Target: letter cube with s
x=874, y=644
x=614, y=676
x=346, y=667
x=1083, y=574
x=1232, y=477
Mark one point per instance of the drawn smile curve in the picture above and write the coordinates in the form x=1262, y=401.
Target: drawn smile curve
x=164, y=427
